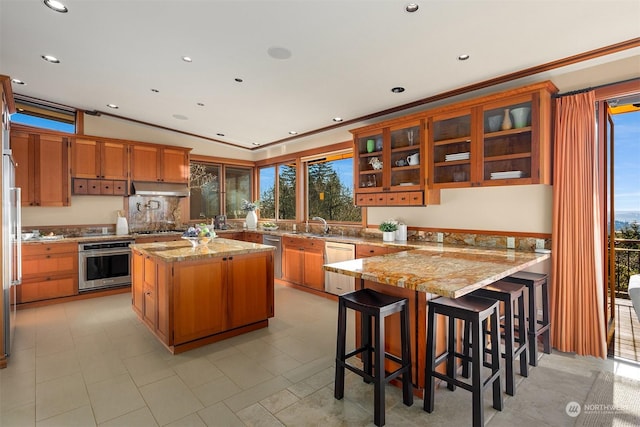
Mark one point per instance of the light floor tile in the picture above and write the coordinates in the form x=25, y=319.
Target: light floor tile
x=256, y=415
x=192, y=420
x=216, y=390
x=278, y=401
x=197, y=372
x=243, y=370
x=170, y=399
x=255, y=394
x=114, y=397
x=56, y=365
x=80, y=417
x=139, y=418
x=220, y=415
x=60, y=395
x=148, y=368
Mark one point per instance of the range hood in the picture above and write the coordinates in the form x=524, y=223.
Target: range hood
x=159, y=189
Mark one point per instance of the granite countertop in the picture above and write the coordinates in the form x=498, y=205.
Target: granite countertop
x=443, y=270
x=184, y=251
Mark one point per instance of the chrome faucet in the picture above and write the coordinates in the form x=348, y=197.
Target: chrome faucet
x=326, y=227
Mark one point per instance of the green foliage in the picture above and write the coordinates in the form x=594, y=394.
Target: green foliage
x=328, y=197
x=627, y=255
x=388, y=225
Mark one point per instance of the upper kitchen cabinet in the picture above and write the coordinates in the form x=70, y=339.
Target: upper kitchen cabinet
x=93, y=159
x=158, y=163
x=502, y=139
x=389, y=163
x=42, y=168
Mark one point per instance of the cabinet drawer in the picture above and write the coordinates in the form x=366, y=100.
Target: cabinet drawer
x=292, y=241
x=47, y=289
x=94, y=186
x=363, y=251
x=50, y=265
x=34, y=249
x=80, y=186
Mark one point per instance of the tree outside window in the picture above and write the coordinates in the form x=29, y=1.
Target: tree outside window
x=283, y=201
x=287, y=191
x=330, y=190
x=204, y=201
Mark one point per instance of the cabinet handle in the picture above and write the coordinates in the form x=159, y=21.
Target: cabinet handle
x=230, y=258
x=224, y=259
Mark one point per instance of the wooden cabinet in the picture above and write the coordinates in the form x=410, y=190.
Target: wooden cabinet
x=364, y=250
x=99, y=187
x=187, y=301
x=48, y=271
x=158, y=238
x=42, y=168
x=389, y=164
x=302, y=261
x=99, y=159
x=159, y=163
x=502, y=139
x=251, y=236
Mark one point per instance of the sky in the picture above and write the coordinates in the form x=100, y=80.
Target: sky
x=627, y=162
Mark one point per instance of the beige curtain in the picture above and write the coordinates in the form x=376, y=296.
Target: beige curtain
x=577, y=310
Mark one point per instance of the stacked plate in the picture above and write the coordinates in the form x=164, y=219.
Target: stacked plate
x=506, y=175
x=456, y=156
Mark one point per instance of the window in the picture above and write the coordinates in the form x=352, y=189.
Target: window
x=46, y=116
x=283, y=201
x=210, y=193
x=237, y=183
x=330, y=189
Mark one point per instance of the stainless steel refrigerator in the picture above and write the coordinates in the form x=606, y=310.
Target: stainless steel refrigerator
x=11, y=244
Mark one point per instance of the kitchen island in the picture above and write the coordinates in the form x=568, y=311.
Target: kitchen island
x=192, y=296
x=423, y=274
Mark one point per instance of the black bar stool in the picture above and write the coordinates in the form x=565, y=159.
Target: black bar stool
x=537, y=326
x=509, y=294
x=374, y=306
x=475, y=311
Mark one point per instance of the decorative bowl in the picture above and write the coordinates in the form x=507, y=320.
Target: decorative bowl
x=197, y=241
x=494, y=123
x=270, y=228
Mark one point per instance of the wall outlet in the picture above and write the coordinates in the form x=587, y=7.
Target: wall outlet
x=439, y=237
x=511, y=242
x=539, y=243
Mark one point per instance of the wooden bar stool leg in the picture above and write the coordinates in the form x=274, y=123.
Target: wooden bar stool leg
x=523, y=337
x=495, y=359
x=451, y=356
x=509, y=346
x=429, y=380
x=532, y=320
x=476, y=380
x=546, y=335
x=367, y=343
x=338, y=391
x=466, y=350
x=378, y=393
x=407, y=386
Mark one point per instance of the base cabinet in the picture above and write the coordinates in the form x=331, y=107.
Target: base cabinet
x=185, y=303
x=49, y=271
x=302, y=261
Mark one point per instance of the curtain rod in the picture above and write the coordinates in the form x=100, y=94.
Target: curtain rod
x=577, y=91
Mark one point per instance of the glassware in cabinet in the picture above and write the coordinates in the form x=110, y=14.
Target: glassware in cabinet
x=451, y=139
x=406, y=162
x=507, y=149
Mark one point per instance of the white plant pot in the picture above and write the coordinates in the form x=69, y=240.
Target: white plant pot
x=388, y=236
x=252, y=220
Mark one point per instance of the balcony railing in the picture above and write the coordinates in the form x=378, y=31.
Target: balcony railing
x=627, y=264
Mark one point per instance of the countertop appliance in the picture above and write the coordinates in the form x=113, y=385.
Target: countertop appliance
x=104, y=265
x=337, y=283
x=220, y=222
x=275, y=241
x=11, y=243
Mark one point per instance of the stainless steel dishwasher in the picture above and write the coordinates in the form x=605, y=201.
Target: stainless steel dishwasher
x=337, y=283
x=275, y=241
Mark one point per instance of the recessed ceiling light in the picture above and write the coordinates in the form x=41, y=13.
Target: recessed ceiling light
x=56, y=5
x=155, y=90
x=180, y=117
x=114, y=106
x=463, y=57
x=337, y=119
x=238, y=79
x=51, y=58
x=220, y=134
x=397, y=89
x=279, y=52
x=411, y=7
x=18, y=82
x=293, y=132
x=255, y=143
x=200, y=104
x=187, y=59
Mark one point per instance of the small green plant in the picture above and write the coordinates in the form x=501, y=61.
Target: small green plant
x=389, y=225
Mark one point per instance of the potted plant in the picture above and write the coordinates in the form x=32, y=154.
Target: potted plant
x=388, y=229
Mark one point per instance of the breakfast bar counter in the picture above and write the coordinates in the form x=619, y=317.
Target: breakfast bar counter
x=426, y=273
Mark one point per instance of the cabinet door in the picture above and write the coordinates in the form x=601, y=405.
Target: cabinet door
x=451, y=148
x=52, y=173
x=369, y=161
x=199, y=299
x=507, y=150
x=149, y=305
x=145, y=163
x=175, y=165
x=137, y=281
x=85, y=158
x=30, y=291
x=313, y=271
x=293, y=260
x=248, y=280
x=407, y=159
x=114, y=160
x=22, y=149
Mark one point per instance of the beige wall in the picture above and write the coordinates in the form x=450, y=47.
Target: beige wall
x=83, y=210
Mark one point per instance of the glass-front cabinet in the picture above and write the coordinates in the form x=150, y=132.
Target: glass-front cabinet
x=389, y=163
x=451, y=141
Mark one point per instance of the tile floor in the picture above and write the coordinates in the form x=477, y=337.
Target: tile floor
x=91, y=362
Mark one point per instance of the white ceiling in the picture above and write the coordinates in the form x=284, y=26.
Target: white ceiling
x=346, y=55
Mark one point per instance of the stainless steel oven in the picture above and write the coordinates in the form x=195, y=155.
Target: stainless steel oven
x=104, y=265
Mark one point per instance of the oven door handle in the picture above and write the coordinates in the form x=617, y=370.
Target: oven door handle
x=104, y=252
